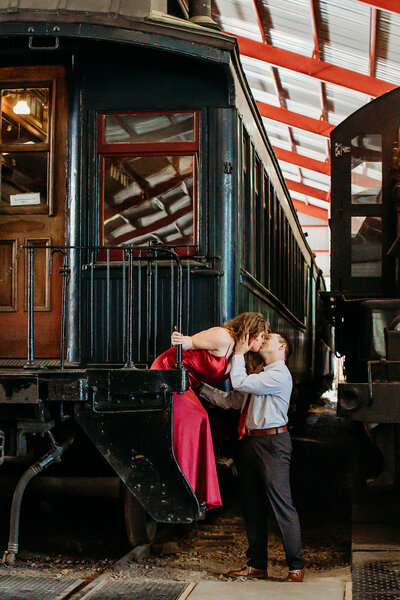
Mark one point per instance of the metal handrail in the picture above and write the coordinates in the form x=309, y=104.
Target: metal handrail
x=150, y=254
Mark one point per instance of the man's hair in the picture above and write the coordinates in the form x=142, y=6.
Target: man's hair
x=283, y=339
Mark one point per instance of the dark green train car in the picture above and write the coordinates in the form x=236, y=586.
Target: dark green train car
x=138, y=191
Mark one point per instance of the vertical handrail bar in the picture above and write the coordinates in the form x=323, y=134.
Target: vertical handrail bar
x=129, y=363
x=155, y=304
x=139, y=293
x=172, y=307
x=30, y=363
x=65, y=272
x=187, y=293
x=92, y=304
x=179, y=311
x=108, y=292
x=149, y=273
x=124, y=323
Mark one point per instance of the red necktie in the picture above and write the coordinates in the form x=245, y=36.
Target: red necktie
x=242, y=419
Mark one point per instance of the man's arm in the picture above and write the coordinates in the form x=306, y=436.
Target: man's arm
x=222, y=399
x=265, y=382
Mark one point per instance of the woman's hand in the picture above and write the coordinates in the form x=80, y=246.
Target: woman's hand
x=242, y=346
x=178, y=338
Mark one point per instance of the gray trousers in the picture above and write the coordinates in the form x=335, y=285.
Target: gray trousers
x=264, y=467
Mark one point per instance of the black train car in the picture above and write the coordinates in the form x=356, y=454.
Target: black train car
x=127, y=124
x=365, y=296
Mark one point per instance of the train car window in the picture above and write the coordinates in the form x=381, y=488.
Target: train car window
x=298, y=280
x=248, y=205
x=366, y=246
x=149, y=128
x=149, y=175
x=274, y=242
x=366, y=169
x=259, y=222
x=25, y=148
x=244, y=150
x=280, y=255
x=267, y=229
x=291, y=264
x=285, y=277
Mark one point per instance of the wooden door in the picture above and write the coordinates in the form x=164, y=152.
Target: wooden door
x=32, y=204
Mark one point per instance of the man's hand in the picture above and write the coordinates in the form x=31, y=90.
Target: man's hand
x=242, y=345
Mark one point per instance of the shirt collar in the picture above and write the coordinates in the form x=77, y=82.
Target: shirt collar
x=275, y=363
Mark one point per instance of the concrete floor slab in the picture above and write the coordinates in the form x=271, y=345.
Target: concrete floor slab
x=326, y=588
x=375, y=536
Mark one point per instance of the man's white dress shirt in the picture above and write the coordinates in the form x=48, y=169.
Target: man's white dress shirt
x=269, y=391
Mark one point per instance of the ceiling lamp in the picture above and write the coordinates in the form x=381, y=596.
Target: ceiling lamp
x=22, y=108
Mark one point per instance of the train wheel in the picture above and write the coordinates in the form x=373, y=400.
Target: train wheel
x=140, y=527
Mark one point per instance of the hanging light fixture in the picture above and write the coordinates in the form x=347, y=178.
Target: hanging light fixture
x=21, y=108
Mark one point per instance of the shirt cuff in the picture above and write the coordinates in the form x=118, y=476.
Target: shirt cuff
x=206, y=391
x=238, y=359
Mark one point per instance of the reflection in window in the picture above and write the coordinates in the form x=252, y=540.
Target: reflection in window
x=24, y=116
x=366, y=169
x=23, y=178
x=366, y=246
x=148, y=128
x=148, y=198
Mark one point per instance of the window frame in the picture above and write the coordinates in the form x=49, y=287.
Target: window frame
x=23, y=80
x=139, y=149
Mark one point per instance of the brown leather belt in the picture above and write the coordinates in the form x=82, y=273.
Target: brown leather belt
x=260, y=432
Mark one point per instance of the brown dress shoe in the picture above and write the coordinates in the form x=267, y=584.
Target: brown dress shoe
x=296, y=575
x=249, y=572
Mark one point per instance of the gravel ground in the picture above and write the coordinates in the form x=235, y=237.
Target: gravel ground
x=82, y=537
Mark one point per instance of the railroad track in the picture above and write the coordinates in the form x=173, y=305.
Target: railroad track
x=109, y=585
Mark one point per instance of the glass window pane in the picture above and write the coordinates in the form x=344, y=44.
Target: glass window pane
x=23, y=179
x=145, y=128
x=366, y=169
x=148, y=198
x=366, y=246
x=25, y=116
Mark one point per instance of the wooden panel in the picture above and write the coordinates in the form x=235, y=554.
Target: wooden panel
x=41, y=277
x=8, y=280
x=29, y=225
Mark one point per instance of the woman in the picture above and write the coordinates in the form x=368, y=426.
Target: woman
x=205, y=355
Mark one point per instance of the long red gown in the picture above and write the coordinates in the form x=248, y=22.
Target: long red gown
x=192, y=441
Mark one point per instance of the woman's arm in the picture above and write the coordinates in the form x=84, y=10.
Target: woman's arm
x=216, y=339
x=273, y=381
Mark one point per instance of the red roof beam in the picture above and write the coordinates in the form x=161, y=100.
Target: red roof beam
x=389, y=5
x=295, y=119
x=307, y=190
x=312, y=67
x=305, y=162
x=311, y=210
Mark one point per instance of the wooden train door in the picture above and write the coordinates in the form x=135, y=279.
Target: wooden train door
x=32, y=204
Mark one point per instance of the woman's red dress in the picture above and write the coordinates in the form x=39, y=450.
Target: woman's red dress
x=192, y=441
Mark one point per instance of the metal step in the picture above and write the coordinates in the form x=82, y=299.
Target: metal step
x=127, y=590
x=14, y=586
x=376, y=575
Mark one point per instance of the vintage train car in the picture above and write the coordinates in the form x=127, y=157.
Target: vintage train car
x=365, y=300
x=138, y=191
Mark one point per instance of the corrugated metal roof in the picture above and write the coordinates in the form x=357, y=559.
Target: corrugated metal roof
x=344, y=31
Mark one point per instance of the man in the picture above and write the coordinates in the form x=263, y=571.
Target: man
x=265, y=453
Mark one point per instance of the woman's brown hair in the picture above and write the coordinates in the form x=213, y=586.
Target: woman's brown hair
x=253, y=324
